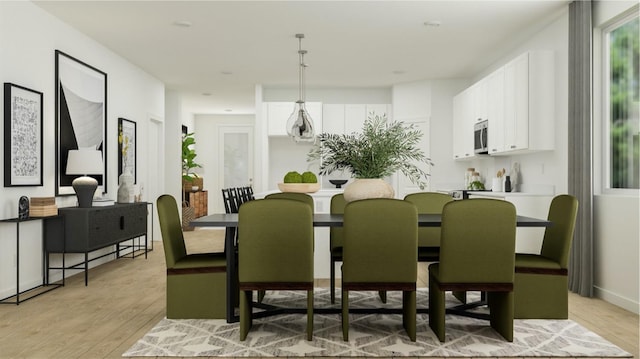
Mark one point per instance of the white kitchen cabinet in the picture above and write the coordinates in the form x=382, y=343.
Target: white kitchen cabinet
x=529, y=103
x=495, y=110
x=354, y=117
x=349, y=118
x=278, y=114
x=518, y=101
x=479, y=101
x=463, y=126
x=333, y=118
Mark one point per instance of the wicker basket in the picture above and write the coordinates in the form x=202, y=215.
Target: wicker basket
x=188, y=215
x=187, y=186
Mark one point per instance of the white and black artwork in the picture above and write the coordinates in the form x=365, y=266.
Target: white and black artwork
x=22, y=136
x=81, y=116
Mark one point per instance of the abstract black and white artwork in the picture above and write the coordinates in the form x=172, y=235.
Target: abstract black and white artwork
x=81, y=116
x=22, y=136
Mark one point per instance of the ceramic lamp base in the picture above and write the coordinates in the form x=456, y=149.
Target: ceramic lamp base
x=85, y=188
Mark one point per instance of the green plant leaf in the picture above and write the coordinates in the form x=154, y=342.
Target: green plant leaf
x=381, y=149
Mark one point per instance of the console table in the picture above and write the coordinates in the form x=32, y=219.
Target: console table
x=45, y=274
x=84, y=230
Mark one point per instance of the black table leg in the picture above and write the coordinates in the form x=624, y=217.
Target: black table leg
x=230, y=250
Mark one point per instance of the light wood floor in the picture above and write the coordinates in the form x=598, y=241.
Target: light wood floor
x=125, y=299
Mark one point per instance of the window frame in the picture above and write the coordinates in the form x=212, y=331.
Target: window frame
x=605, y=97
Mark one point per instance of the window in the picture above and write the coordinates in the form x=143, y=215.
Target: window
x=622, y=124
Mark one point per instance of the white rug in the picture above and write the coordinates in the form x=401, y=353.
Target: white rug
x=375, y=335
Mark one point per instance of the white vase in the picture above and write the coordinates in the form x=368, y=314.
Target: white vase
x=363, y=188
x=125, y=190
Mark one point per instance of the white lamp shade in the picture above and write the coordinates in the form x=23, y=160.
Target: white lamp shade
x=84, y=162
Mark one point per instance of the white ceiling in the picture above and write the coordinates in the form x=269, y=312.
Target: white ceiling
x=349, y=43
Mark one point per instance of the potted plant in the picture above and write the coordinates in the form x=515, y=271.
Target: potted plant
x=380, y=150
x=190, y=179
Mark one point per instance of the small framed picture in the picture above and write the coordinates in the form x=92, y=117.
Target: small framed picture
x=22, y=136
x=127, y=147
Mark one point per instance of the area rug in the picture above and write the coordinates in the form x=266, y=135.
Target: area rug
x=372, y=335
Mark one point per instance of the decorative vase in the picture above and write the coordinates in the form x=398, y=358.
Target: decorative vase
x=125, y=188
x=363, y=188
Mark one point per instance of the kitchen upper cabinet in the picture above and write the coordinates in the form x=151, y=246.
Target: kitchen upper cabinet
x=354, y=117
x=278, y=114
x=517, y=100
x=349, y=118
x=529, y=103
x=495, y=110
x=333, y=121
x=479, y=101
x=463, y=120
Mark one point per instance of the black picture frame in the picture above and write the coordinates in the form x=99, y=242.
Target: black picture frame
x=81, y=116
x=127, y=147
x=23, y=111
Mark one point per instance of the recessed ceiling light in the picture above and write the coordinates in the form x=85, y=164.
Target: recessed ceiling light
x=433, y=23
x=182, y=23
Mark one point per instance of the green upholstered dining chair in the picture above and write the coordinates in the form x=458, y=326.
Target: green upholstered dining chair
x=541, y=285
x=196, y=283
x=336, y=240
x=302, y=197
x=477, y=252
x=428, y=237
x=380, y=253
x=296, y=196
x=275, y=251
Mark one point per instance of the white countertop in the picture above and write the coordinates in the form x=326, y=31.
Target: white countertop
x=508, y=194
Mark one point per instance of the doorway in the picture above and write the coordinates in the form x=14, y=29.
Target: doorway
x=235, y=165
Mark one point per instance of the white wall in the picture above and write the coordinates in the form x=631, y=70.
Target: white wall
x=445, y=173
x=616, y=249
x=173, y=143
x=28, y=38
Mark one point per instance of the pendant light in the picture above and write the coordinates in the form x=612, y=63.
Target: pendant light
x=300, y=124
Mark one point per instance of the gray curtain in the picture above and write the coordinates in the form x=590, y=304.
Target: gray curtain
x=580, y=145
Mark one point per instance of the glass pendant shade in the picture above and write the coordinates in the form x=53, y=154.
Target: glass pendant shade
x=300, y=124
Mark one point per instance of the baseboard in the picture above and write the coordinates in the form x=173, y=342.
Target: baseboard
x=615, y=299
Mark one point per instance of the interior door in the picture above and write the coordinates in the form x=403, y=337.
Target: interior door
x=236, y=156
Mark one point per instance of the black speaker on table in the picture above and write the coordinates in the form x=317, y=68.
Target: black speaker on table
x=23, y=208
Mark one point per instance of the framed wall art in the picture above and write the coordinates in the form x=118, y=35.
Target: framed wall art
x=81, y=116
x=22, y=136
x=127, y=145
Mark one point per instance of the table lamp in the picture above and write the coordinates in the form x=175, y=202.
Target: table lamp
x=84, y=162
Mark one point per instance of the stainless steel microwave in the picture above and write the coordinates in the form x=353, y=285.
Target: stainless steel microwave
x=480, y=137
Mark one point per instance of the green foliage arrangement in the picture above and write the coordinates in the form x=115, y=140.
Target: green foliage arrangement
x=188, y=156
x=380, y=150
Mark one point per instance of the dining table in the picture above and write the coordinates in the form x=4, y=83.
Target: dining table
x=229, y=221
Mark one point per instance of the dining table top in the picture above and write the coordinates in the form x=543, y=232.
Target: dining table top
x=336, y=220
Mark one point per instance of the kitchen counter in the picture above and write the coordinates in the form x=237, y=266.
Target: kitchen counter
x=507, y=194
